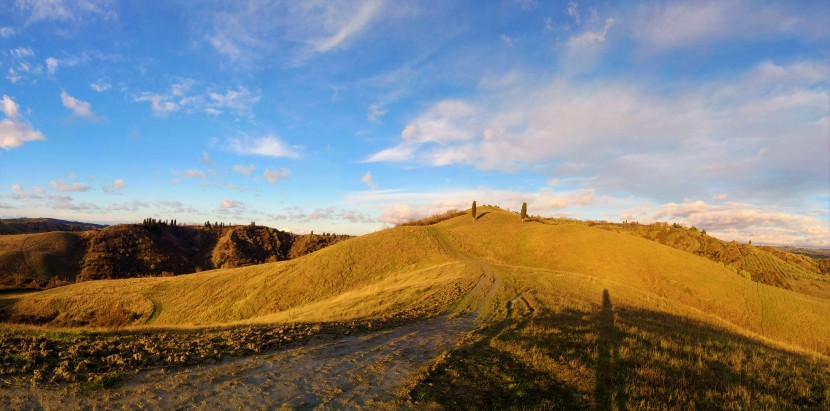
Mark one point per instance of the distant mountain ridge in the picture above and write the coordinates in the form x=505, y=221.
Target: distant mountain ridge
x=26, y=225
x=137, y=250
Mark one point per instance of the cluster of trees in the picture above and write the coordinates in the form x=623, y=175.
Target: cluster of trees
x=153, y=223
x=216, y=225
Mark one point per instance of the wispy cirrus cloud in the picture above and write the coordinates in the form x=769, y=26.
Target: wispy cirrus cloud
x=341, y=27
x=257, y=31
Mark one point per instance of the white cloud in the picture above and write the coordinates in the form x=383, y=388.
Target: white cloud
x=401, y=206
x=248, y=33
x=62, y=185
x=175, y=207
x=402, y=152
x=618, y=135
x=573, y=11
x=444, y=122
x=6, y=32
x=14, y=131
x=22, y=53
x=507, y=40
x=52, y=65
x=16, y=187
x=345, y=27
x=296, y=214
x=205, y=159
x=240, y=101
x=231, y=204
x=67, y=10
x=665, y=26
x=193, y=173
x=187, y=96
x=367, y=179
x=376, y=113
x=160, y=104
x=101, y=85
x=79, y=108
x=275, y=175
x=116, y=186
x=13, y=77
x=269, y=146
x=591, y=38
x=745, y=222
x=10, y=108
x=720, y=197
x=243, y=169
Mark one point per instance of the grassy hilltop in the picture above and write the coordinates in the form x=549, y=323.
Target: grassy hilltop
x=571, y=315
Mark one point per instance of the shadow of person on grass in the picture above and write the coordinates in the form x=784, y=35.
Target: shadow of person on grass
x=610, y=384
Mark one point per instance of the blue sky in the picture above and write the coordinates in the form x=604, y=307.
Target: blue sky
x=355, y=115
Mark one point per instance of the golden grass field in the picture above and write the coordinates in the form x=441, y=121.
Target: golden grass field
x=571, y=315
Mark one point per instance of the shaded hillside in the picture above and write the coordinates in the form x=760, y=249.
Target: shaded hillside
x=43, y=225
x=768, y=265
x=32, y=260
x=131, y=250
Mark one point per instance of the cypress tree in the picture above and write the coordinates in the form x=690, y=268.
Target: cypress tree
x=524, y=211
x=473, y=210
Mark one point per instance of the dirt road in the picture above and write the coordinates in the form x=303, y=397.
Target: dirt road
x=350, y=372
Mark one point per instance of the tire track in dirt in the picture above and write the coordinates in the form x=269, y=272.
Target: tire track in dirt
x=488, y=284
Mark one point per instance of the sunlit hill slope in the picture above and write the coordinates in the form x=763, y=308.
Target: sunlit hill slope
x=433, y=268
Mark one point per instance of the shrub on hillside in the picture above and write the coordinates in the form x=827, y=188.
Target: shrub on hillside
x=435, y=218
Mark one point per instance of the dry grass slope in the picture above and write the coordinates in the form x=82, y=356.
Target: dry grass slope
x=573, y=316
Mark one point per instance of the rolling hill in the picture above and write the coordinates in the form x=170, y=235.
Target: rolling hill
x=569, y=315
x=132, y=250
x=764, y=264
x=42, y=225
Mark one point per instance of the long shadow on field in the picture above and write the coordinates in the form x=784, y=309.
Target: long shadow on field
x=611, y=375
x=482, y=215
x=618, y=357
